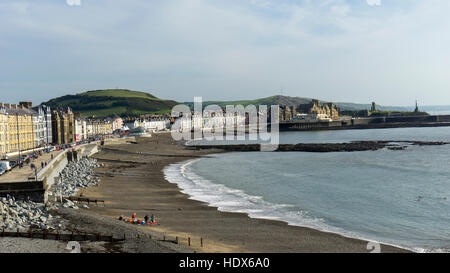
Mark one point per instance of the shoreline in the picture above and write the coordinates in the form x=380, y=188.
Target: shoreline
x=135, y=182
x=283, y=221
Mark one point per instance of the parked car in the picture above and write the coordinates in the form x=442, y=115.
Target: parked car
x=13, y=164
x=5, y=165
x=2, y=172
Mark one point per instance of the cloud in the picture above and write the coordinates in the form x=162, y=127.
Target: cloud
x=228, y=49
x=374, y=2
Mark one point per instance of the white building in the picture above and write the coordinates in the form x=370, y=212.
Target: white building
x=42, y=120
x=81, y=130
x=133, y=124
x=156, y=125
x=209, y=122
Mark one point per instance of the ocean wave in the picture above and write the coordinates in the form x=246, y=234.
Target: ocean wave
x=233, y=200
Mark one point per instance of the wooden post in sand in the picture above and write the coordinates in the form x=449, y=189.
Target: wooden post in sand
x=189, y=241
x=201, y=242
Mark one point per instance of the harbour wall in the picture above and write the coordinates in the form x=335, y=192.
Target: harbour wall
x=369, y=123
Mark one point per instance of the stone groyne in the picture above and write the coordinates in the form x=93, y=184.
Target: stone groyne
x=323, y=147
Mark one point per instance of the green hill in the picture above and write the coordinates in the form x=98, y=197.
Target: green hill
x=108, y=102
x=289, y=101
x=273, y=100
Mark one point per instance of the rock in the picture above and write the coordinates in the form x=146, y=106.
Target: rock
x=76, y=175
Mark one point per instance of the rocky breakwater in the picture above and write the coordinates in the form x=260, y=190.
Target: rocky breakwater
x=25, y=215
x=353, y=146
x=75, y=175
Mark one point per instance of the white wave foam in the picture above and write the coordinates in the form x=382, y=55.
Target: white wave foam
x=233, y=200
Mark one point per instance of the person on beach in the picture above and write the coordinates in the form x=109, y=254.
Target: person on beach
x=146, y=218
x=133, y=217
x=152, y=219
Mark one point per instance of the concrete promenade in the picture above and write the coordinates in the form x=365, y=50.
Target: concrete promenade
x=26, y=173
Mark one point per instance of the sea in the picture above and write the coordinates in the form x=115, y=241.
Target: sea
x=401, y=198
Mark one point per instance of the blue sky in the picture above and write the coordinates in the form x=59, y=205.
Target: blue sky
x=337, y=50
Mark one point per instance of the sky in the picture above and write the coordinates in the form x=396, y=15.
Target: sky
x=392, y=52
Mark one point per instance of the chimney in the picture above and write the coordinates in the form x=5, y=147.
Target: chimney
x=26, y=104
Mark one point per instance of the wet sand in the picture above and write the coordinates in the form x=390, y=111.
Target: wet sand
x=132, y=180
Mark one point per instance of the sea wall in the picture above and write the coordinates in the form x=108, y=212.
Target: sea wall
x=37, y=190
x=369, y=123
x=34, y=190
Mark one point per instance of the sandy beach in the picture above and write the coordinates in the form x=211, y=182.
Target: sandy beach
x=132, y=180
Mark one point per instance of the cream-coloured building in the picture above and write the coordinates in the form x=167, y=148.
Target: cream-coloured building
x=18, y=128
x=3, y=132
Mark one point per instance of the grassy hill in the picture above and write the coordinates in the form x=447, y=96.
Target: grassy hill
x=273, y=100
x=289, y=101
x=108, y=102
x=125, y=102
